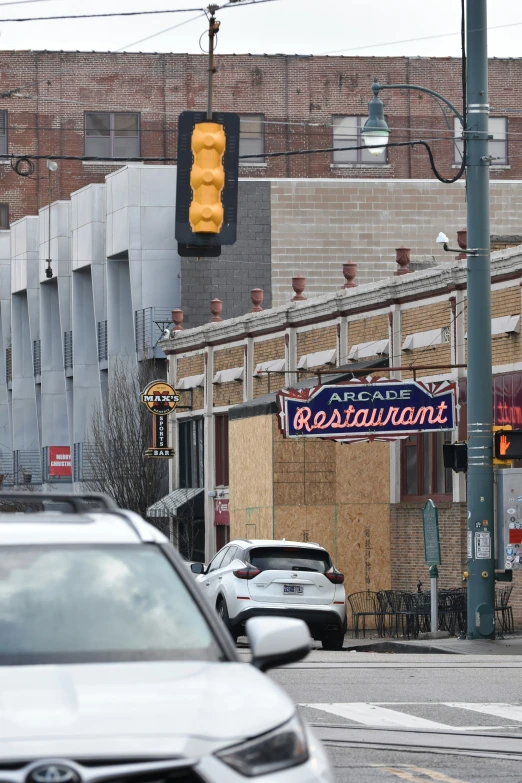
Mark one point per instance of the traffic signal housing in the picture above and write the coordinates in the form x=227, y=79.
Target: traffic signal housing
x=508, y=444
x=207, y=182
x=455, y=456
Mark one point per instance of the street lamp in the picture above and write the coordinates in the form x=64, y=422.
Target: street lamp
x=51, y=166
x=475, y=161
x=375, y=131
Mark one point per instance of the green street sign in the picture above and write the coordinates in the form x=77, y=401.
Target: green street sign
x=430, y=525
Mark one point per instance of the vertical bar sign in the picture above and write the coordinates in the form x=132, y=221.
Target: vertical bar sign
x=161, y=399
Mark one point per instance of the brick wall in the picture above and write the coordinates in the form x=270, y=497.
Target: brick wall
x=366, y=330
x=313, y=340
x=192, y=365
x=407, y=550
x=297, y=95
x=267, y=351
x=319, y=225
x=241, y=267
x=423, y=319
x=407, y=545
x=228, y=393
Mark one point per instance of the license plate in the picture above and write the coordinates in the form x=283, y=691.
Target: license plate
x=293, y=589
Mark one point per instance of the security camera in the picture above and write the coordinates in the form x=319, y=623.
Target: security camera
x=442, y=239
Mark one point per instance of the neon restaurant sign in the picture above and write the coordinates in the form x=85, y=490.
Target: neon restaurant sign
x=371, y=409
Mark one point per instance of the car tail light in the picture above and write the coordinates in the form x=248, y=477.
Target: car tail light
x=248, y=572
x=335, y=576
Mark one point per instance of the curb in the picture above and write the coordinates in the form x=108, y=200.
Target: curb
x=401, y=647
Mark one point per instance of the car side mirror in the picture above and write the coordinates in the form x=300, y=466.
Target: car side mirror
x=275, y=641
x=197, y=568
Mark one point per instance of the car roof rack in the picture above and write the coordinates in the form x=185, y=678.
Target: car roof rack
x=79, y=503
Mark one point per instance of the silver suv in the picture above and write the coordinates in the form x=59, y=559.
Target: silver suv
x=114, y=669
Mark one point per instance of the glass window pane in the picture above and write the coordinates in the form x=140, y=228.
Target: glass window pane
x=411, y=468
x=98, y=147
x=98, y=124
x=498, y=127
x=440, y=438
x=345, y=134
x=251, y=125
x=3, y=123
x=367, y=157
x=82, y=604
x=426, y=449
x=458, y=145
x=498, y=151
x=126, y=125
x=251, y=137
x=126, y=147
x=290, y=559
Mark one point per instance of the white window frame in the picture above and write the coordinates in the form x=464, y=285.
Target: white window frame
x=244, y=140
x=495, y=145
x=112, y=134
x=351, y=134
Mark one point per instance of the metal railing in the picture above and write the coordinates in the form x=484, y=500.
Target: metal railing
x=27, y=466
x=37, y=357
x=149, y=325
x=68, y=350
x=9, y=364
x=103, y=351
x=84, y=462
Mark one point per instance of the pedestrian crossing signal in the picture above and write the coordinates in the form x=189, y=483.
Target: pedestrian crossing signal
x=508, y=444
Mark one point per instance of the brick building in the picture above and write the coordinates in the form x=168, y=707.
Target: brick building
x=119, y=105
x=362, y=501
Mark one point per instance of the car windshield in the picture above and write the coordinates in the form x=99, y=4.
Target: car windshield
x=272, y=558
x=82, y=604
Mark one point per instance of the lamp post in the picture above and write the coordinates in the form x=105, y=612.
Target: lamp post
x=476, y=161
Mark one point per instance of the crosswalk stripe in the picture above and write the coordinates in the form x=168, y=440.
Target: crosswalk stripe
x=509, y=711
x=372, y=715
x=405, y=771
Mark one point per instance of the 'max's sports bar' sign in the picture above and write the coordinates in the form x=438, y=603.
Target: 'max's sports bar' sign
x=367, y=410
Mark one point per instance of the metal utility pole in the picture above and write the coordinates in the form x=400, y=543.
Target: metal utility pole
x=213, y=27
x=481, y=563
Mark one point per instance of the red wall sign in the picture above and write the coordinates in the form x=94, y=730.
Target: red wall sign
x=221, y=512
x=60, y=461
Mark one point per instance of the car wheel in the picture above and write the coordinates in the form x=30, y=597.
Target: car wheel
x=333, y=642
x=222, y=611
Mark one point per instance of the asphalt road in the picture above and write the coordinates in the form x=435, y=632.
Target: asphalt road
x=439, y=718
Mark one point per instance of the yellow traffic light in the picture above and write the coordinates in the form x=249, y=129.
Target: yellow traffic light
x=207, y=178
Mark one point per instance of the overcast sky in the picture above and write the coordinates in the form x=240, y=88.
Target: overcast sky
x=376, y=28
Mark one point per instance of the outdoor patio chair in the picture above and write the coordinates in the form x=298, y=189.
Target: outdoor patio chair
x=364, y=604
x=504, y=612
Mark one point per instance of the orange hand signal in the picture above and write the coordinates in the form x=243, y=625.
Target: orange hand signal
x=504, y=445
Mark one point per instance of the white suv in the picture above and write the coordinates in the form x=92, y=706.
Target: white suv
x=249, y=578
x=114, y=669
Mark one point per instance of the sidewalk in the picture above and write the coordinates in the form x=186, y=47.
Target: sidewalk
x=511, y=645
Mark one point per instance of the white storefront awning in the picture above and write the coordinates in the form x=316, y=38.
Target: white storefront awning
x=316, y=359
x=375, y=348
x=168, y=506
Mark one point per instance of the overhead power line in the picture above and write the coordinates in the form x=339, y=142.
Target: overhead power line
x=413, y=40
x=230, y=4
x=97, y=16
